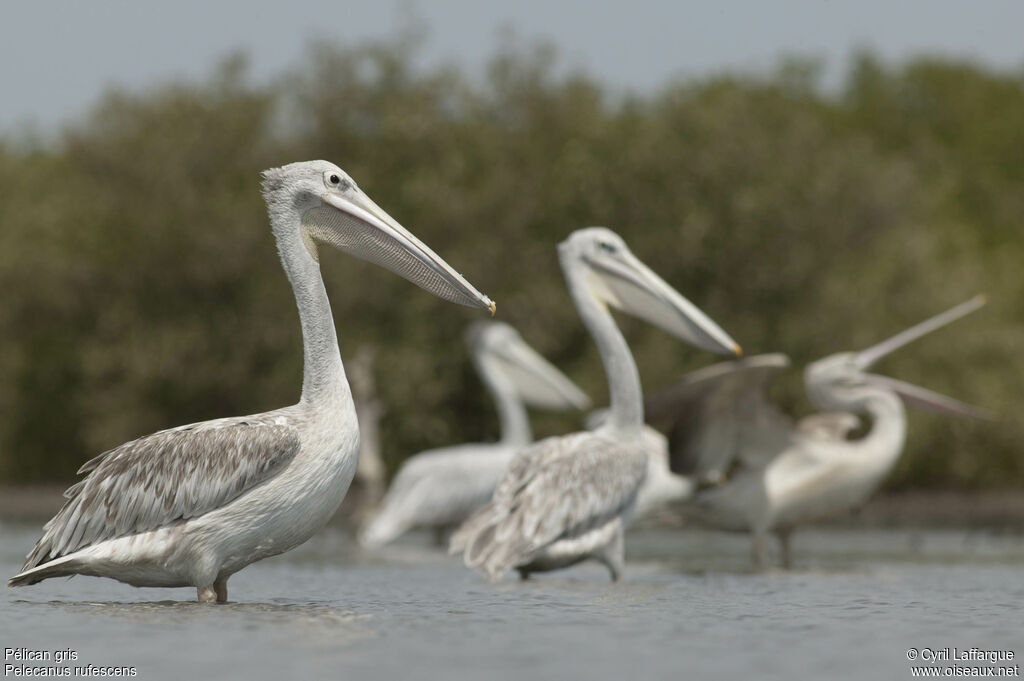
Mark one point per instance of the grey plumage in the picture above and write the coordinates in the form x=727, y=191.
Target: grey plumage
x=536, y=503
x=163, y=478
x=720, y=416
x=661, y=486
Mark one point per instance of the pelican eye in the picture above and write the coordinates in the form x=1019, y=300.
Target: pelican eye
x=607, y=247
x=334, y=180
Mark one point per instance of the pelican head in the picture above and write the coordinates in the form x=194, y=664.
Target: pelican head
x=615, y=277
x=332, y=210
x=841, y=380
x=502, y=351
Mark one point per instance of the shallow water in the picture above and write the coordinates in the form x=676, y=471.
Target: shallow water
x=689, y=607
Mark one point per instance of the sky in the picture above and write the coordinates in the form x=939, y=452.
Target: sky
x=57, y=57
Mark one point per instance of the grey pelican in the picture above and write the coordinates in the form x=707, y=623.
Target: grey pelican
x=192, y=505
x=773, y=474
x=440, y=488
x=567, y=499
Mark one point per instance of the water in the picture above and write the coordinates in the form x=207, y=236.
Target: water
x=689, y=607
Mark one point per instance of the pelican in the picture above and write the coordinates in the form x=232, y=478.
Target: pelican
x=440, y=488
x=192, y=505
x=783, y=473
x=567, y=499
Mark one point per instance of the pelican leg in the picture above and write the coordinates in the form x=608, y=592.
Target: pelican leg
x=760, y=550
x=441, y=536
x=206, y=594
x=786, y=547
x=220, y=586
x=524, y=574
x=614, y=555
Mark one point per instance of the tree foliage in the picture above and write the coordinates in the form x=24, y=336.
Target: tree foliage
x=142, y=289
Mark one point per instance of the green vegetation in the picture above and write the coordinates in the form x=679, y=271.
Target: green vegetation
x=142, y=289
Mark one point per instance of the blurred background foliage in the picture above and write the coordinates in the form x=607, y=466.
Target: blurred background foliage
x=142, y=289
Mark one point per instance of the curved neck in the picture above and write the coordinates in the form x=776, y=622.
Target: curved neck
x=323, y=375
x=624, y=392
x=513, y=421
x=884, y=442
x=888, y=433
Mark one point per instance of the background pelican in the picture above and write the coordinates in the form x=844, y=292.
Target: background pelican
x=566, y=499
x=192, y=505
x=440, y=488
x=778, y=473
x=370, y=479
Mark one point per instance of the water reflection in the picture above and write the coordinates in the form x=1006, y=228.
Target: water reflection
x=344, y=625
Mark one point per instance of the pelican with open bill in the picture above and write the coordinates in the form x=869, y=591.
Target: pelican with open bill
x=568, y=499
x=192, y=505
x=776, y=474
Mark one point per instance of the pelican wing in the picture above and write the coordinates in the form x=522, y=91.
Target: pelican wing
x=558, y=488
x=169, y=476
x=720, y=414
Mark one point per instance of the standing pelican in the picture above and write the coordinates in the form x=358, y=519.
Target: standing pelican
x=566, y=499
x=192, y=505
x=440, y=488
x=786, y=474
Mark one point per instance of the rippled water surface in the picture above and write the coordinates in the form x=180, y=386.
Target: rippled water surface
x=689, y=607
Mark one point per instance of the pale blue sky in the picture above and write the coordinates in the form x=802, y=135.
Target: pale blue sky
x=57, y=57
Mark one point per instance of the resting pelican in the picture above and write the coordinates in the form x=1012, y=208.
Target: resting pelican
x=786, y=474
x=566, y=499
x=440, y=488
x=192, y=505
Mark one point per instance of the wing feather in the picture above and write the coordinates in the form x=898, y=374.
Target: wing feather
x=719, y=415
x=166, y=477
x=557, y=488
